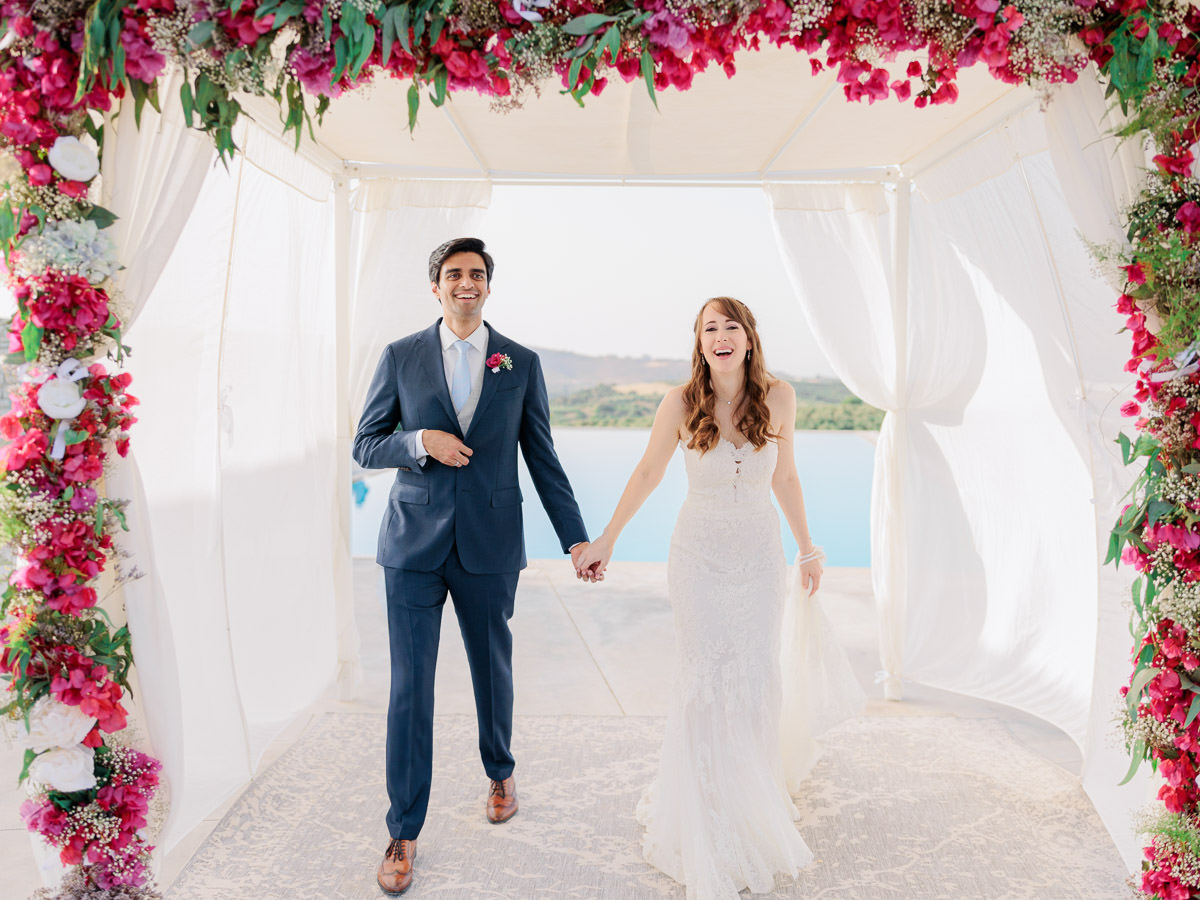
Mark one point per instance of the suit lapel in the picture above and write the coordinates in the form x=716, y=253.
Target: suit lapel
x=435, y=369
x=497, y=343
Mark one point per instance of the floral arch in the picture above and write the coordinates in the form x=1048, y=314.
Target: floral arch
x=65, y=65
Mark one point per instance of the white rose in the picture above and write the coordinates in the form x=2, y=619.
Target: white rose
x=61, y=398
x=73, y=159
x=53, y=724
x=66, y=769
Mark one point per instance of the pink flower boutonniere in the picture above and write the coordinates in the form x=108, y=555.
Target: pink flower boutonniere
x=498, y=361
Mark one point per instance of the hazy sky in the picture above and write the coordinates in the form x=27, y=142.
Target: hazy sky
x=624, y=269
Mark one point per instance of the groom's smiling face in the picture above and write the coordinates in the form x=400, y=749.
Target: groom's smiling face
x=462, y=285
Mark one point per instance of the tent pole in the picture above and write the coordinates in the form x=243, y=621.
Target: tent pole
x=349, y=669
x=893, y=616
x=220, y=439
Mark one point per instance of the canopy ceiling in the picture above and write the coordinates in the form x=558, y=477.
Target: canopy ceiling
x=773, y=120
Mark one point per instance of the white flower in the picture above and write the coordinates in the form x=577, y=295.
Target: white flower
x=66, y=769
x=61, y=398
x=54, y=724
x=70, y=246
x=73, y=159
x=522, y=8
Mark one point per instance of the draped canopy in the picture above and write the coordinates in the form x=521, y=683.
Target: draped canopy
x=934, y=253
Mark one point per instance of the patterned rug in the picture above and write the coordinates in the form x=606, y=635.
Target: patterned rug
x=912, y=808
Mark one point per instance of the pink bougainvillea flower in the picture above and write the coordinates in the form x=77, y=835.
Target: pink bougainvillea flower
x=1188, y=216
x=1134, y=273
x=1175, y=165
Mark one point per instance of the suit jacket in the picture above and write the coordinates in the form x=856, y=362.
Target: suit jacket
x=476, y=508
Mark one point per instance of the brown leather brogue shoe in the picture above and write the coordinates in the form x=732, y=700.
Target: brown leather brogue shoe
x=395, y=873
x=502, y=801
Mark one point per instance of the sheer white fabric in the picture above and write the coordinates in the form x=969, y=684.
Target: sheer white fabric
x=233, y=362
x=1099, y=176
x=718, y=817
x=974, y=338
x=396, y=225
x=150, y=179
x=820, y=689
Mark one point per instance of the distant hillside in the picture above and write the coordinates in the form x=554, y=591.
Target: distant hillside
x=624, y=392
x=568, y=372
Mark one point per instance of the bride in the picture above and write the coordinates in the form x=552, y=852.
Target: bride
x=718, y=817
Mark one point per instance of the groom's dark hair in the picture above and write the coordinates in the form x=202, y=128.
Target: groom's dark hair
x=459, y=245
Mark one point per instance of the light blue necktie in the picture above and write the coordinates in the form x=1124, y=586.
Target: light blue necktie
x=460, y=384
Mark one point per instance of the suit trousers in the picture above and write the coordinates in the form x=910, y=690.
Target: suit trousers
x=483, y=605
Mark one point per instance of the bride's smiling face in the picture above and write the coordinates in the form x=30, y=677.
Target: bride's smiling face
x=723, y=341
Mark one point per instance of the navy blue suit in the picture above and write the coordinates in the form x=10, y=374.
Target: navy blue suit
x=456, y=530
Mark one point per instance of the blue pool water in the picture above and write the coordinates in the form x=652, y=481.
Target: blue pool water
x=835, y=470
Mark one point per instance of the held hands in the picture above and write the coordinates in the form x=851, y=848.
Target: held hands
x=446, y=448
x=592, y=559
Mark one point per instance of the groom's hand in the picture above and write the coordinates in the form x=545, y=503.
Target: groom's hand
x=592, y=573
x=446, y=448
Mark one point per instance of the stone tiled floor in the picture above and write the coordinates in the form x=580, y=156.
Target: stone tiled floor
x=579, y=649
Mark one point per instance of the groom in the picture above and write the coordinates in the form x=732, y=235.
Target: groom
x=447, y=409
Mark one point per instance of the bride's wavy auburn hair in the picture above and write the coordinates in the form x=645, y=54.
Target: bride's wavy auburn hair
x=752, y=416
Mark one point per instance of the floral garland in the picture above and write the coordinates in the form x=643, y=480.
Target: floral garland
x=66, y=665
x=63, y=62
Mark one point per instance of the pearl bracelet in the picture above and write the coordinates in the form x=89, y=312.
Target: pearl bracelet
x=815, y=553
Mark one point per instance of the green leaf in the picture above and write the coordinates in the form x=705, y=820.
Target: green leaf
x=187, y=101
x=1126, y=446
x=120, y=516
x=1138, y=752
x=403, y=25
x=8, y=223
x=573, y=75
x=441, y=80
x=1192, y=711
x=366, y=45
x=388, y=34
x=98, y=525
x=586, y=24
x=75, y=437
x=1114, y=549
x=414, y=103
x=1140, y=680
x=201, y=32
x=101, y=216
x=648, y=74
x=31, y=339
x=1188, y=684
x=612, y=41
x=1157, y=509
x=28, y=761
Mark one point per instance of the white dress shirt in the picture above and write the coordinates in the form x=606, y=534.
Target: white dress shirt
x=476, y=354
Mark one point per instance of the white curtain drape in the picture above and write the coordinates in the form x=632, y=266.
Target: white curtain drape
x=913, y=349
x=396, y=225
x=235, y=367
x=979, y=468
x=1098, y=176
x=150, y=180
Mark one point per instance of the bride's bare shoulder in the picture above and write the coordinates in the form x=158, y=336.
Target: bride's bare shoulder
x=674, y=396
x=672, y=411
x=780, y=391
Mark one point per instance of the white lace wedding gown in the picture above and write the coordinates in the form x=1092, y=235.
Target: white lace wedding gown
x=718, y=817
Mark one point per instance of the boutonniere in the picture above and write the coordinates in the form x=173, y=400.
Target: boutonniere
x=498, y=361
